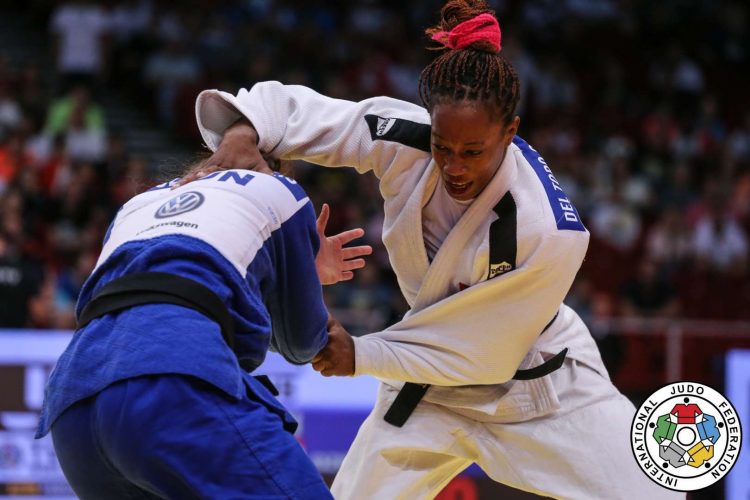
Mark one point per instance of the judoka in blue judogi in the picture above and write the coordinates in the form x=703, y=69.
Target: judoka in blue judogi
x=153, y=396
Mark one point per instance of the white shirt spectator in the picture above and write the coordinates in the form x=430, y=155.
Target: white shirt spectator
x=738, y=143
x=80, y=28
x=688, y=76
x=616, y=223
x=10, y=113
x=723, y=247
x=85, y=144
x=670, y=240
x=130, y=18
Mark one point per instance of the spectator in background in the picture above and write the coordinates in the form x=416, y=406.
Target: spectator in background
x=70, y=280
x=20, y=277
x=10, y=111
x=6, y=74
x=659, y=129
x=676, y=189
x=80, y=122
x=12, y=158
x=555, y=86
x=31, y=93
x=76, y=106
x=168, y=71
x=116, y=157
x=52, y=164
x=84, y=143
x=129, y=19
x=132, y=180
x=366, y=299
x=648, y=294
x=738, y=142
x=79, y=29
x=614, y=221
x=621, y=196
x=740, y=203
x=685, y=79
x=669, y=242
x=49, y=310
x=720, y=244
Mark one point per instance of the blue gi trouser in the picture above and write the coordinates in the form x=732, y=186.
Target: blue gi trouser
x=172, y=436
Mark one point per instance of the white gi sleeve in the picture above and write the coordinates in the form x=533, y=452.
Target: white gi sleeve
x=295, y=122
x=479, y=335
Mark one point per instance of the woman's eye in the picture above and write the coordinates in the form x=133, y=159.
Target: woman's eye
x=440, y=148
x=473, y=152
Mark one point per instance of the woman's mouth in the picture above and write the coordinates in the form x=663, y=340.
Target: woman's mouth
x=456, y=189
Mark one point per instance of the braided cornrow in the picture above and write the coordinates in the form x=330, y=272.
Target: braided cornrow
x=476, y=73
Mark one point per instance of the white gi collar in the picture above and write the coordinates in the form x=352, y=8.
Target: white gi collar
x=436, y=281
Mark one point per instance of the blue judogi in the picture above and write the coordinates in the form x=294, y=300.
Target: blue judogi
x=151, y=401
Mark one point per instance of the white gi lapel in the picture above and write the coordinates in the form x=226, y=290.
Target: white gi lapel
x=402, y=235
x=437, y=281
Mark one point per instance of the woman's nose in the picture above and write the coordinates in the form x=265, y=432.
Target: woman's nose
x=453, y=166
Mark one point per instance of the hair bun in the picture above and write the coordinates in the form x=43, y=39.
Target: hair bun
x=479, y=33
x=457, y=28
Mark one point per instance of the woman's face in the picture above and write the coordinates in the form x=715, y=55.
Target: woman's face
x=468, y=146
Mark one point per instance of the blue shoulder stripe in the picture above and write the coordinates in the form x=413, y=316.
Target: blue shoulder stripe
x=292, y=186
x=566, y=215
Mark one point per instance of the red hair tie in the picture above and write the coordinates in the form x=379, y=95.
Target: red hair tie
x=482, y=28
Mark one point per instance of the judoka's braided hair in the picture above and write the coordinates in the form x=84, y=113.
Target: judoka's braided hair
x=476, y=72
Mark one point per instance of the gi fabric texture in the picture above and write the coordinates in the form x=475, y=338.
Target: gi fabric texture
x=251, y=239
x=476, y=312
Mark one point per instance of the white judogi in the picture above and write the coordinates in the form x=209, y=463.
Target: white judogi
x=574, y=440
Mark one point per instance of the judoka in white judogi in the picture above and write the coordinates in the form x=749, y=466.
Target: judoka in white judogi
x=477, y=313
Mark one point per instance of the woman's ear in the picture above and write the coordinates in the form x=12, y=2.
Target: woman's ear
x=511, y=130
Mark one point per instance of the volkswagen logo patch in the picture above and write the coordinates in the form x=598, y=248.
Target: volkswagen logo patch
x=180, y=204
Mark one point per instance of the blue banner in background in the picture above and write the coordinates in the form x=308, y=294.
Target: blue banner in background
x=737, y=373
x=330, y=411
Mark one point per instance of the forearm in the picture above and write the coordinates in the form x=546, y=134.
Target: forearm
x=477, y=336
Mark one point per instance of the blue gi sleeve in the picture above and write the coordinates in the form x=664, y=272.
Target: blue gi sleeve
x=295, y=300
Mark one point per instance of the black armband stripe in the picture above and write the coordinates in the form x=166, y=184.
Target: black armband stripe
x=406, y=132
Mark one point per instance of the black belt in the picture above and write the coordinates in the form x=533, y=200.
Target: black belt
x=158, y=288
x=411, y=394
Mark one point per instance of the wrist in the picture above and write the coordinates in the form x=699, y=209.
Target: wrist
x=243, y=130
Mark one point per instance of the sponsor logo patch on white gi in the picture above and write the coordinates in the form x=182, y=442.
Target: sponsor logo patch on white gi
x=384, y=125
x=497, y=269
x=686, y=436
x=180, y=204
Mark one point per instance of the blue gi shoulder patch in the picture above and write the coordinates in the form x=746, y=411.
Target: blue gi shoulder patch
x=566, y=215
x=291, y=185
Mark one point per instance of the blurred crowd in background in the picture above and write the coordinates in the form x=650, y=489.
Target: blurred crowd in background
x=640, y=108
